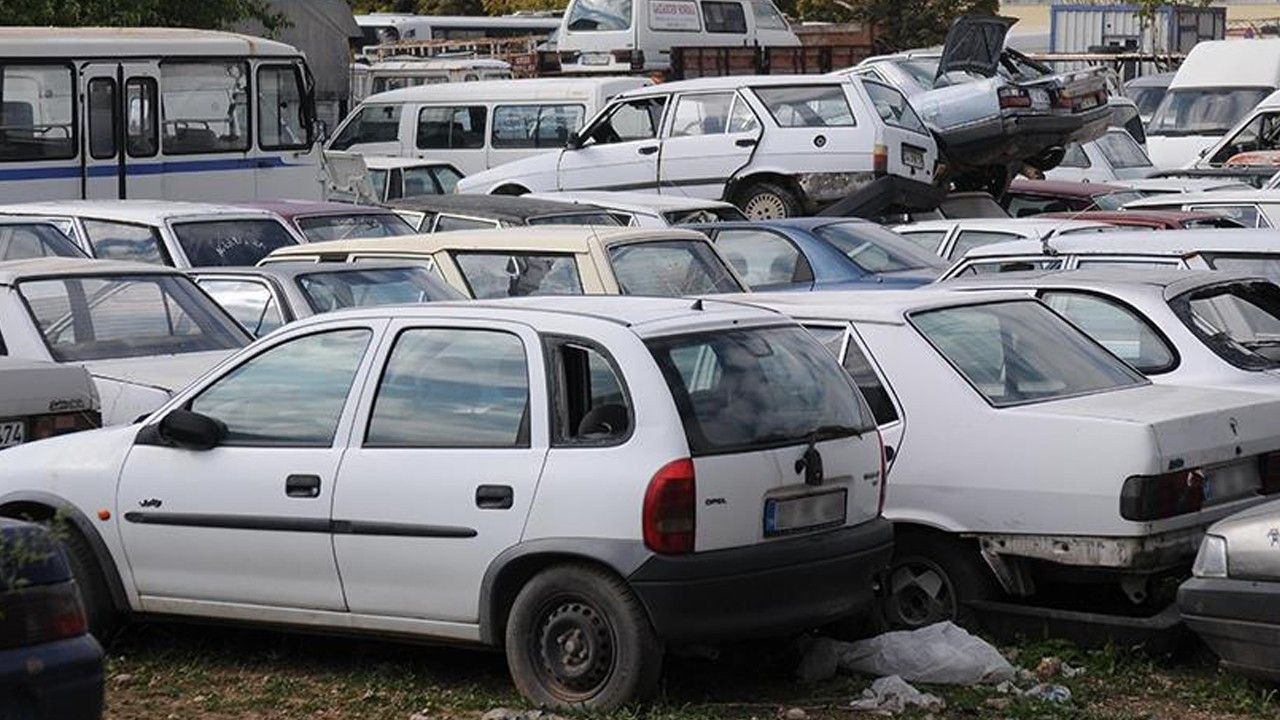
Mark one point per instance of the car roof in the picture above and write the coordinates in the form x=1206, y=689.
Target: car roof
x=793, y=223
x=875, y=306
x=521, y=89
x=12, y=271
x=1215, y=196
x=80, y=42
x=732, y=82
x=1029, y=225
x=1064, y=187
x=290, y=270
x=295, y=208
x=1183, y=184
x=633, y=201
x=139, y=211
x=1156, y=242
x=1162, y=281
x=1109, y=216
x=550, y=239
x=498, y=207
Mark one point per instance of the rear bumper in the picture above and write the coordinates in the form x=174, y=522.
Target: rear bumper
x=61, y=679
x=768, y=589
x=1139, y=554
x=1238, y=619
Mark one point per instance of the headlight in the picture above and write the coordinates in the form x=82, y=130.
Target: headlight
x=1211, y=561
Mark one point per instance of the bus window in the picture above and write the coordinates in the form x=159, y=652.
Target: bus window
x=36, y=113
x=282, y=117
x=206, y=107
x=102, y=118
x=142, y=138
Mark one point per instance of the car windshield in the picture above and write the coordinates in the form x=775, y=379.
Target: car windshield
x=1019, y=352
x=1265, y=265
x=209, y=243
x=582, y=218
x=517, y=274
x=587, y=15
x=1116, y=200
x=1146, y=98
x=121, y=316
x=1239, y=321
x=671, y=268
x=748, y=389
x=20, y=241
x=1203, y=111
x=365, y=287
x=353, y=226
x=877, y=250
x=1122, y=151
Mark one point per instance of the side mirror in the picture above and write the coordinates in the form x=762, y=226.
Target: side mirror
x=191, y=430
x=574, y=142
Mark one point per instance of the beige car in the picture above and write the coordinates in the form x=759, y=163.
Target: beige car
x=563, y=260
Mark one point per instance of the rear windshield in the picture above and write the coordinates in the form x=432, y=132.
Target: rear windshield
x=877, y=250
x=583, y=218
x=1116, y=200
x=1122, y=151
x=20, y=241
x=588, y=15
x=1266, y=265
x=230, y=242
x=1020, y=352
x=364, y=287
x=671, y=268
x=497, y=275
x=1240, y=322
x=120, y=316
x=740, y=390
x=349, y=227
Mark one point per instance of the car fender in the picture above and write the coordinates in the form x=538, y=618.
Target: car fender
x=538, y=173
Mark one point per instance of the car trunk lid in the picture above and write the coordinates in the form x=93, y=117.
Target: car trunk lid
x=974, y=44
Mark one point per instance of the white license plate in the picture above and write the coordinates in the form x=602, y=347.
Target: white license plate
x=595, y=58
x=912, y=157
x=806, y=512
x=1039, y=98
x=12, y=432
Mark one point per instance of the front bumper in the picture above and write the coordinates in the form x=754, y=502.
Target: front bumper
x=61, y=679
x=767, y=589
x=1238, y=619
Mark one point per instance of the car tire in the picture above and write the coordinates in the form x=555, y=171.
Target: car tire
x=578, y=638
x=104, y=618
x=768, y=200
x=933, y=578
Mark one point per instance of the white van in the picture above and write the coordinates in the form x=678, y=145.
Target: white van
x=1215, y=88
x=637, y=35
x=476, y=125
x=368, y=78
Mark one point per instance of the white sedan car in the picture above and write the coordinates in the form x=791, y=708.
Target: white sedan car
x=141, y=330
x=41, y=400
x=951, y=239
x=1023, y=453
x=578, y=480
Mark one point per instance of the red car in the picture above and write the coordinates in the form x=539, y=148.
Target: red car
x=1035, y=197
x=1151, y=219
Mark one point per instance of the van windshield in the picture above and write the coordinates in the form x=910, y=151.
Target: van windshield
x=756, y=388
x=589, y=15
x=1203, y=111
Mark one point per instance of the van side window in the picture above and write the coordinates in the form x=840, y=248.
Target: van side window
x=142, y=137
x=589, y=402
x=188, y=92
x=451, y=128
x=36, y=113
x=701, y=114
x=372, y=124
x=535, y=126
x=724, y=17
x=633, y=120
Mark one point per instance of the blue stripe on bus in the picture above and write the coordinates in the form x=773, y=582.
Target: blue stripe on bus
x=154, y=168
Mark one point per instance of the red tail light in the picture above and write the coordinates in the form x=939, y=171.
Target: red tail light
x=40, y=614
x=670, y=508
x=46, y=426
x=880, y=159
x=1270, y=472
x=884, y=471
x=1012, y=97
x=1153, y=497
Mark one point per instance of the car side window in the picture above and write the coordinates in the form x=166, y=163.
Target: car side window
x=1074, y=157
x=929, y=241
x=125, y=241
x=1247, y=215
x=763, y=258
x=970, y=239
x=445, y=223
x=855, y=363
x=292, y=394
x=589, y=404
x=1119, y=329
x=629, y=121
x=742, y=119
x=449, y=388
x=703, y=114
x=1028, y=205
x=250, y=302
x=986, y=267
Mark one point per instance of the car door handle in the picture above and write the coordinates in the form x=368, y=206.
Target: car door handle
x=302, y=486
x=745, y=142
x=647, y=150
x=495, y=497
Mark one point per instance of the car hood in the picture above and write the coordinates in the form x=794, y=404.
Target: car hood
x=1191, y=426
x=162, y=372
x=1171, y=152
x=37, y=388
x=483, y=182
x=1253, y=542
x=974, y=44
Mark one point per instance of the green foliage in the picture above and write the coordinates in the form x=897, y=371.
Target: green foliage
x=209, y=14
x=421, y=7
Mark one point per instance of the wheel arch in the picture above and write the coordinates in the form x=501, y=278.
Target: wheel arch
x=738, y=183
x=509, y=188
x=41, y=506
x=516, y=565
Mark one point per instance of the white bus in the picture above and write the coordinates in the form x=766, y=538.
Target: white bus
x=386, y=28
x=156, y=113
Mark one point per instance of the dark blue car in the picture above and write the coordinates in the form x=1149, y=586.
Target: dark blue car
x=50, y=666
x=822, y=253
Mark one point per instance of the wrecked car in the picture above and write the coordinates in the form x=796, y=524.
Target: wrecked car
x=43, y=399
x=992, y=109
x=1022, y=453
x=774, y=145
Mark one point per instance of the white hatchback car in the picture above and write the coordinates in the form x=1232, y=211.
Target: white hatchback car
x=951, y=239
x=775, y=146
x=580, y=480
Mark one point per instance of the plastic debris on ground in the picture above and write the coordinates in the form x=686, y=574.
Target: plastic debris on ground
x=893, y=695
x=940, y=654
x=1048, y=693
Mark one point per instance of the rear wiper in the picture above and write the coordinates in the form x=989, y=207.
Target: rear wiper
x=832, y=432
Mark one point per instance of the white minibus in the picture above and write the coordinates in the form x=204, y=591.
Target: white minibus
x=476, y=125
x=159, y=113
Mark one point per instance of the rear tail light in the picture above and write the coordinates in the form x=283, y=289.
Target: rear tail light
x=47, y=426
x=1014, y=97
x=1153, y=497
x=880, y=159
x=884, y=471
x=40, y=614
x=670, y=509
x=1270, y=472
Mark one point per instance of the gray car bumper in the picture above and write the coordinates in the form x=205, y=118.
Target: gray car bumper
x=1238, y=619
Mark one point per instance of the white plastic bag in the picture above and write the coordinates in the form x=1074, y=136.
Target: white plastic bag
x=941, y=654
